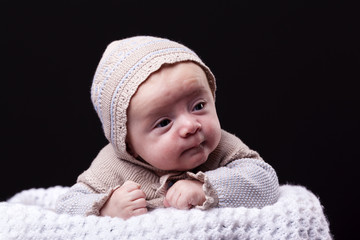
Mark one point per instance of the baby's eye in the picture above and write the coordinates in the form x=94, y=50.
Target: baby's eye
x=163, y=123
x=199, y=106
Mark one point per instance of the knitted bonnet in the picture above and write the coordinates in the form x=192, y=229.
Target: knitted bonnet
x=125, y=64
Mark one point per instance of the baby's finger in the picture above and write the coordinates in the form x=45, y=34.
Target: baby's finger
x=179, y=200
x=166, y=203
x=139, y=203
x=139, y=211
x=137, y=194
x=183, y=203
x=131, y=186
x=170, y=198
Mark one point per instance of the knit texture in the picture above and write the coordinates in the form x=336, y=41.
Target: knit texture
x=297, y=214
x=244, y=183
x=225, y=187
x=107, y=171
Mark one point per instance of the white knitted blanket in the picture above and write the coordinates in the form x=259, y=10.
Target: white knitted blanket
x=297, y=215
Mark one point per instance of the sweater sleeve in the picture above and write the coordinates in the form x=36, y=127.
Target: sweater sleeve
x=244, y=182
x=82, y=200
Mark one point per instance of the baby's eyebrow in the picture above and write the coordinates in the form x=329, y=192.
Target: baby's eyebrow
x=155, y=111
x=151, y=111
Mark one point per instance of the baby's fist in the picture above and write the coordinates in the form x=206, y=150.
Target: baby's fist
x=185, y=194
x=125, y=202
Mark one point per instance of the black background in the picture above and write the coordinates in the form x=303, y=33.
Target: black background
x=286, y=74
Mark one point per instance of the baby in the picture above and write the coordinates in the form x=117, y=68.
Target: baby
x=156, y=102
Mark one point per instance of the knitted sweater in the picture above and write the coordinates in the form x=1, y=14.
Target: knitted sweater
x=232, y=176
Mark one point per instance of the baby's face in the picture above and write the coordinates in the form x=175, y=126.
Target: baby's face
x=172, y=120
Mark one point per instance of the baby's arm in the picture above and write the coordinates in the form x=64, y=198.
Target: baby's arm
x=83, y=200
x=244, y=182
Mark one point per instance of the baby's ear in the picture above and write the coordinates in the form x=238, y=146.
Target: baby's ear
x=130, y=150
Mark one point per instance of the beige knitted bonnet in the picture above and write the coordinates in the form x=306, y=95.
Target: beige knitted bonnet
x=125, y=64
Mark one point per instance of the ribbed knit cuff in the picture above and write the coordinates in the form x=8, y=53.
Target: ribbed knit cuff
x=211, y=198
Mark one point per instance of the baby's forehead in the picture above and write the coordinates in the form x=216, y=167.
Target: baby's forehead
x=170, y=73
x=172, y=83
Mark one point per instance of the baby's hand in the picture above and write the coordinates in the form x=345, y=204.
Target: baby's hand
x=185, y=194
x=125, y=202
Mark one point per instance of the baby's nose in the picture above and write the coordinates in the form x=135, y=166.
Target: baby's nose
x=189, y=126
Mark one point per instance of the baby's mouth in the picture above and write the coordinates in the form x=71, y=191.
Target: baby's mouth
x=195, y=148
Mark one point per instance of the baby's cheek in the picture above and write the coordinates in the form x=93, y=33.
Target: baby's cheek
x=214, y=133
x=162, y=155
x=168, y=152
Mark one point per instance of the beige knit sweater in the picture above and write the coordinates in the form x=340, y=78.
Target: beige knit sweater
x=233, y=176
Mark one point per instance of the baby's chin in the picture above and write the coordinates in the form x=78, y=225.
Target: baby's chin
x=194, y=164
x=193, y=159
